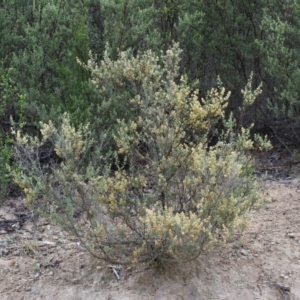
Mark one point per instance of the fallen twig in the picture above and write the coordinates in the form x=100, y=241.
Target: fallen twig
x=284, y=290
x=116, y=271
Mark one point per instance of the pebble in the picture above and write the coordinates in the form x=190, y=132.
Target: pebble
x=4, y=252
x=291, y=235
x=7, y=263
x=244, y=252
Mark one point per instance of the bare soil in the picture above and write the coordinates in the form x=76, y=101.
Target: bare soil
x=39, y=261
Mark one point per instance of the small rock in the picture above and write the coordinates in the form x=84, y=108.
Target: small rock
x=4, y=252
x=75, y=281
x=28, y=289
x=244, y=252
x=12, y=263
x=291, y=235
x=50, y=273
x=284, y=276
x=7, y=263
x=44, y=243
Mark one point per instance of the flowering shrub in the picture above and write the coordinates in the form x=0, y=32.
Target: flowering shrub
x=173, y=195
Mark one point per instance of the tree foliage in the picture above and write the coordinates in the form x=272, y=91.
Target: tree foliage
x=39, y=74
x=280, y=27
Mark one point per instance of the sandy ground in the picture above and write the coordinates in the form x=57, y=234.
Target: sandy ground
x=41, y=262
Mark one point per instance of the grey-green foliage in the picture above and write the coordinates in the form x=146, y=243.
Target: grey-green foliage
x=229, y=38
x=130, y=24
x=41, y=41
x=9, y=98
x=5, y=178
x=279, y=49
x=222, y=44
x=95, y=27
x=39, y=74
x=217, y=37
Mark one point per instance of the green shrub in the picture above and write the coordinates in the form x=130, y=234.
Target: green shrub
x=173, y=196
x=279, y=52
x=5, y=177
x=10, y=103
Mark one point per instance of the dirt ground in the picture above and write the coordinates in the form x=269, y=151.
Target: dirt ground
x=38, y=261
